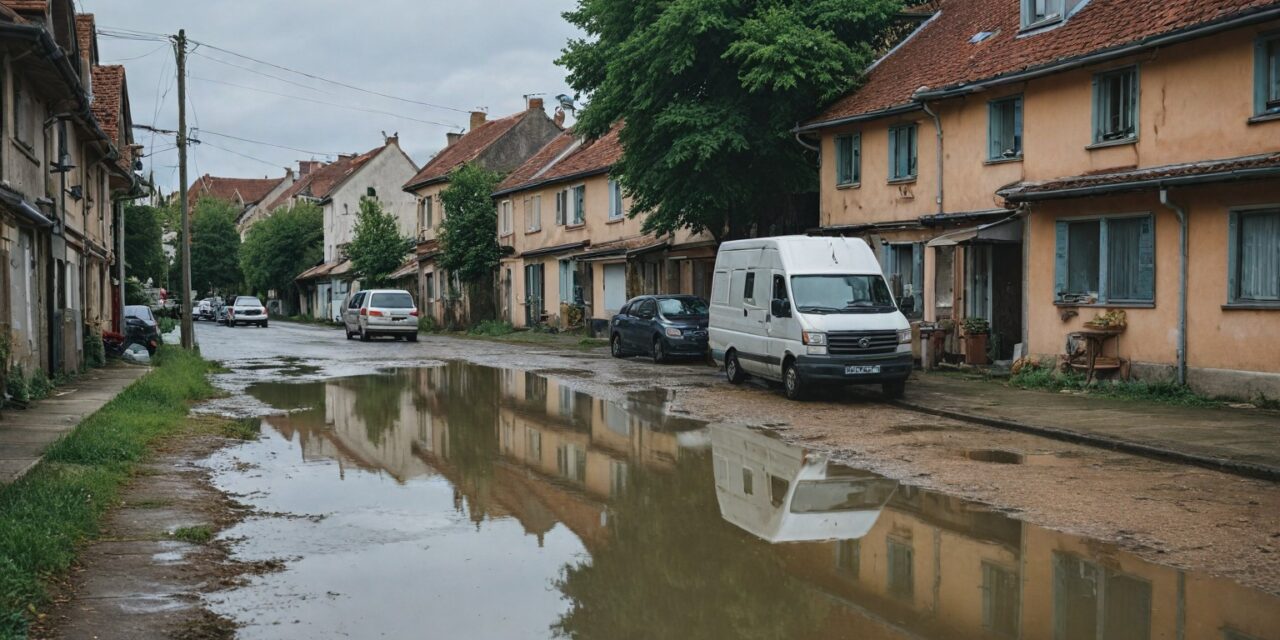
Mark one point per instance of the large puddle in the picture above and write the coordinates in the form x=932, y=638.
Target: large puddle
x=471, y=502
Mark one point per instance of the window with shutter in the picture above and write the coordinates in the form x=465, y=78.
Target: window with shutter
x=1004, y=130
x=902, y=153
x=1106, y=260
x=1254, y=255
x=562, y=199
x=579, y=204
x=615, y=200
x=1115, y=106
x=1266, y=75
x=848, y=160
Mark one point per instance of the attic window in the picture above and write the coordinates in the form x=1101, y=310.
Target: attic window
x=1037, y=13
x=371, y=192
x=981, y=36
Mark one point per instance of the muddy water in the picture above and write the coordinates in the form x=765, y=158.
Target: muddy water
x=470, y=502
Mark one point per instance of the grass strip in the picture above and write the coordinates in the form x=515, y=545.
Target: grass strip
x=45, y=515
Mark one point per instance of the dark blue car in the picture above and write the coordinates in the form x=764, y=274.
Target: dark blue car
x=661, y=326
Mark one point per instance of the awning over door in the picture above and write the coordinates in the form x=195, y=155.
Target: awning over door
x=1002, y=232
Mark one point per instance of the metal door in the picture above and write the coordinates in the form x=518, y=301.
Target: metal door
x=615, y=288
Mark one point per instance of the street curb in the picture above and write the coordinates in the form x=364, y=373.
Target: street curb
x=1235, y=467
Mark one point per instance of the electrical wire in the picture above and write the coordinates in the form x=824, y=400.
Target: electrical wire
x=147, y=54
x=242, y=155
x=331, y=104
x=206, y=132
x=265, y=75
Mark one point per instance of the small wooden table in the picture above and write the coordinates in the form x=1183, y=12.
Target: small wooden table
x=1095, y=342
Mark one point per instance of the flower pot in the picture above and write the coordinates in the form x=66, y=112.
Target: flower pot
x=975, y=348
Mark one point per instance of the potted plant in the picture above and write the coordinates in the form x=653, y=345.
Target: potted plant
x=976, y=332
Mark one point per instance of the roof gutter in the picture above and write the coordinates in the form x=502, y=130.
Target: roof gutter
x=1189, y=33
x=542, y=183
x=862, y=117
x=1142, y=185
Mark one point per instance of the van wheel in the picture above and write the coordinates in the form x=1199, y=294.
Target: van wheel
x=659, y=351
x=894, y=390
x=792, y=385
x=364, y=335
x=733, y=370
x=615, y=347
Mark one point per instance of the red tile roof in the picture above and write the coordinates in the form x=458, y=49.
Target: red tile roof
x=322, y=181
x=940, y=55
x=553, y=164
x=467, y=148
x=1134, y=179
x=250, y=190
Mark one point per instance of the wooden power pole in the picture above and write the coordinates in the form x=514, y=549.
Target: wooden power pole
x=188, y=323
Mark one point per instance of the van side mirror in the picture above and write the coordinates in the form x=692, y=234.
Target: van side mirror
x=780, y=308
x=907, y=304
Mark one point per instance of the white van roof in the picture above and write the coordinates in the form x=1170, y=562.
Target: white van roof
x=815, y=254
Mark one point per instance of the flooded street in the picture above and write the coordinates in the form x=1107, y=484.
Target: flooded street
x=461, y=500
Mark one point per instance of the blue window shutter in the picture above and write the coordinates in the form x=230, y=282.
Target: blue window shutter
x=917, y=274
x=857, y=158
x=1260, y=79
x=885, y=253
x=1097, y=106
x=1233, y=256
x=1017, y=125
x=993, y=151
x=893, y=153
x=1060, y=260
x=1147, y=260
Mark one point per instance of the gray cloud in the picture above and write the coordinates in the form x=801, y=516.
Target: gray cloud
x=463, y=54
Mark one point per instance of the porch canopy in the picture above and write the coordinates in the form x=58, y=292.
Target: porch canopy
x=1007, y=231
x=550, y=251
x=406, y=270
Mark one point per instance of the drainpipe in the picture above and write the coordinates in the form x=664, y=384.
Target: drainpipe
x=1182, y=283
x=937, y=126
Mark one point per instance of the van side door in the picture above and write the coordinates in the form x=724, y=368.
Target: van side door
x=755, y=340
x=783, y=331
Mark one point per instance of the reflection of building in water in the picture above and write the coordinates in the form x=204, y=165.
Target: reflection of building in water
x=944, y=567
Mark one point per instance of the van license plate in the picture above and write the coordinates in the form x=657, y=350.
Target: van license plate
x=858, y=370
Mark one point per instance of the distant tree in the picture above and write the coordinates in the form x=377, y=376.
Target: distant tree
x=469, y=231
x=280, y=247
x=143, y=244
x=378, y=247
x=215, y=247
x=710, y=92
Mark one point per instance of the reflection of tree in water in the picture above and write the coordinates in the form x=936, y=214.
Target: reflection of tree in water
x=672, y=568
x=467, y=398
x=377, y=400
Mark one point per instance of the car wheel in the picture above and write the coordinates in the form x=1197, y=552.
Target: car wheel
x=615, y=347
x=894, y=390
x=733, y=369
x=348, y=332
x=364, y=335
x=659, y=351
x=792, y=384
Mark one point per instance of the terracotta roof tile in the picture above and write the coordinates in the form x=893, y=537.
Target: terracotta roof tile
x=590, y=156
x=537, y=162
x=941, y=55
x=1130, y=178
x=467, y=148
x=321, y=182
x=250, y=190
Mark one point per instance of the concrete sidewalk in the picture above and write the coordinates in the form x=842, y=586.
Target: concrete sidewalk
x=25, y=433
x=1240, y=441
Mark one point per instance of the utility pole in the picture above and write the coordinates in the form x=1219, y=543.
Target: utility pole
x=188, y=325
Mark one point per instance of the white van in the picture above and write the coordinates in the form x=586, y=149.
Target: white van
x=807, y=311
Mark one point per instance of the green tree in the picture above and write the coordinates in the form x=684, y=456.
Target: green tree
x=710, y=92
x=378, y=248
x=215, y=247
x=143, y=244
x=280, y=247
x=469, y=231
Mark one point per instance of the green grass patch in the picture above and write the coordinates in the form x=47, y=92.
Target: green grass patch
x=47, y=513
x=199, y=534
x=1047, y=379
x=491, y=329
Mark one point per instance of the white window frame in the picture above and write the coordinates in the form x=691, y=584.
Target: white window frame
x=577, y=208
x=533, y=214
x=504, y=218
x=616, y=209
x=1039, y=13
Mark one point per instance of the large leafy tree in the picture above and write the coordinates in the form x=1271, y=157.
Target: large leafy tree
x=280, y=247
x=215, y=246
x=469, y=231
x=378, y=247
x=710, y=90
x=143, y=244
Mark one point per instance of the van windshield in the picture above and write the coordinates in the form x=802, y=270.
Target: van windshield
x=841, y=294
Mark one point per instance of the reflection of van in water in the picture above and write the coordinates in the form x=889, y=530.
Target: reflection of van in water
x=781, y=493
x=807, y=311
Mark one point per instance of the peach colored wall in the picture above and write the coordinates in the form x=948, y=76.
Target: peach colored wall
x=432, y=191
x=1217, y=338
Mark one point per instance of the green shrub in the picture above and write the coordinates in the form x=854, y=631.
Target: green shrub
x=95, y=354
x=427, y=324
x=491, y=328
x=167, y=324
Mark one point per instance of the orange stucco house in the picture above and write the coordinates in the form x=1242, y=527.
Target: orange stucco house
x=1040, y=162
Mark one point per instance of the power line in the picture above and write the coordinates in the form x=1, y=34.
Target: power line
x=147, y=54
x=242, y=155
x=269, y=144
x=331, y=104
x=266, y=75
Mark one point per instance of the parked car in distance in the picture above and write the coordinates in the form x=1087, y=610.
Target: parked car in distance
x=380, y=312
x=207, y=309
x=807, y=311
x=660, y=326
x=247, y=310
x=141, y=327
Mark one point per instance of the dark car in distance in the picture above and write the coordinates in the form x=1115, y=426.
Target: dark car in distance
x=660, y=326
x=141, y=327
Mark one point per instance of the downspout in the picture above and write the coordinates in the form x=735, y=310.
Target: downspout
x=1182, y=283
x=937, y=126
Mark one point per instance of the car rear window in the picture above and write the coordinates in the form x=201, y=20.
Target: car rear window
x=394, y=300
x=248, y=301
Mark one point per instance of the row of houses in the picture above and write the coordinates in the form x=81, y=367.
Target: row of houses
x=66, y=169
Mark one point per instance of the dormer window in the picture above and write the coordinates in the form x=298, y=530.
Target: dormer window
x=1037, y=13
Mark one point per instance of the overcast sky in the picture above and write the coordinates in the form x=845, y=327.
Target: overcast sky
x=464, y=55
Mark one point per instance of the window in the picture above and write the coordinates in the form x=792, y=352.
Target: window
x=1004, y=137
x=533, y=214
x=1106, y=260
x=1115, y=106
x=426, y=213
x=1094, y=603
x=1254, y=256
x=1266, y=70
x=615, y=201
x=848, y=160
x=504, y=223
x=901, y=576
x=617, y=477
x=749, y=288
x=568, y=281
x=748, y=485
x=902, y=153
x=22, y=113
x=562, y=207
x=533, y=445
x=371, y=192
x=1001, y=600
x=780, y=288
x=429, y=286
x=1040, y=12
x=778, y=490
x=579, y=204
x=849, y=558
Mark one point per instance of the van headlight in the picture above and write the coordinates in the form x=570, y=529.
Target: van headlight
x=815, y=339
x=904, y=336
x=673, y=332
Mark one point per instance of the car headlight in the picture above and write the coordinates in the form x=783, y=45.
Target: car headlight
x=904, y=336
x=673, y=332
x=816, y=339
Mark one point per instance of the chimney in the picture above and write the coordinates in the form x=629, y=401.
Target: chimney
x=452, y=137
x=535, y=104
x=392, y=139
x=559, y=118
x=477, y=119
x=305, y=167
